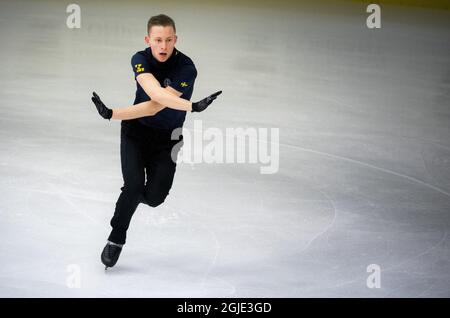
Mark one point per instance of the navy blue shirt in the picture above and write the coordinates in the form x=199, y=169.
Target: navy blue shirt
x=178, y=72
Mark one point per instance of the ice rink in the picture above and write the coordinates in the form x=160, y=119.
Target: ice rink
x=361, y=195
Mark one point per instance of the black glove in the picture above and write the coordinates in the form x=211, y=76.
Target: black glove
x=204, y=103
x=104, y=111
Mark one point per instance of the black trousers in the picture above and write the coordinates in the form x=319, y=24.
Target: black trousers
x=147, y=170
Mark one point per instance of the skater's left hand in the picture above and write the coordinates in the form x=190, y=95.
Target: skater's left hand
x=104, y=111
x=204, y=103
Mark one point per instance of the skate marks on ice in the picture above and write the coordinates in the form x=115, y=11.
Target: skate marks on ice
x=188, y=226
x=368, y=165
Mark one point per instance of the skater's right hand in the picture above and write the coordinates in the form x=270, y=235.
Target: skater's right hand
x=204, y=103
x=104, y=111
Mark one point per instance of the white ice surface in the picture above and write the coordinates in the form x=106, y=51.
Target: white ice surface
x=364, y=178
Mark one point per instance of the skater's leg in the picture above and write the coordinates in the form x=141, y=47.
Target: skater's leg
x=160, y=173
x=133, y=173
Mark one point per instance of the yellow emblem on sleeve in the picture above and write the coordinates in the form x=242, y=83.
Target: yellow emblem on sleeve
x=139, y=68
x=184, y=84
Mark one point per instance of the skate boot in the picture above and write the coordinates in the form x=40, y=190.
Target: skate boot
x=110, y=254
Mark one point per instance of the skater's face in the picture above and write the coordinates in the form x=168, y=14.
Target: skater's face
x=162, y=40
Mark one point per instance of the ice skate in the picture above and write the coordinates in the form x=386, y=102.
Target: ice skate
x=111, y=254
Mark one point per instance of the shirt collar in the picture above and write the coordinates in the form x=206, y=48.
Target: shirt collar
x=163, y=65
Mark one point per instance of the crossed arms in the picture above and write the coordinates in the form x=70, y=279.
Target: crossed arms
x=160, y=98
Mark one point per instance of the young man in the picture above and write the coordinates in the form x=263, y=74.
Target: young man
x=165, y=81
